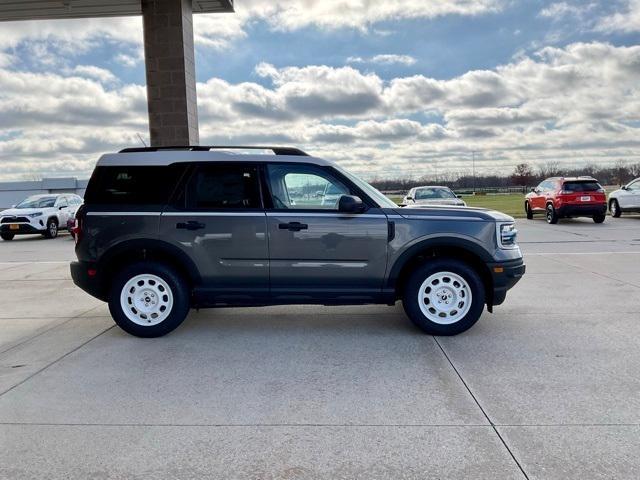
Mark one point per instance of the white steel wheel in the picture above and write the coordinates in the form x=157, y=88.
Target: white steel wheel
x=445, y=298
x=146, y=300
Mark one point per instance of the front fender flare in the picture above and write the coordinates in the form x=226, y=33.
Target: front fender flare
x=448, y=241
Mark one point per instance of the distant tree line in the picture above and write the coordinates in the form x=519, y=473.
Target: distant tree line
x=523, y=175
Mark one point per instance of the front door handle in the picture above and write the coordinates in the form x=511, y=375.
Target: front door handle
x=190, y=225
x=293, y=226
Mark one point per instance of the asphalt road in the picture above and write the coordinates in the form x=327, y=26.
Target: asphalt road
x=546, y=387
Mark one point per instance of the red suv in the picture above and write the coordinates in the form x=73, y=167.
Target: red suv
x=566, y=198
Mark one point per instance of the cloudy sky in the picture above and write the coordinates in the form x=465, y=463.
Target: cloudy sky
x=386, y=88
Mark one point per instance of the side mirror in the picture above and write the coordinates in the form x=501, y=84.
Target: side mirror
x=534, y=189
x=61, y=207
x=409, y=198
x=459, y=196
x=624, y=187
x=350, y=204
x=13, y=206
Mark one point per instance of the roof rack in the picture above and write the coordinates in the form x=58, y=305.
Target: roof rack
x=206, y=148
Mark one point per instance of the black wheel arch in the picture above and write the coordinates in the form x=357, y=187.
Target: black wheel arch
x=446, y=247
x=144, y=249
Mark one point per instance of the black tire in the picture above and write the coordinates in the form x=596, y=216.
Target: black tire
x=528, y=211
x=614, y=208
x=52, y=228
x=551, y=214
x=178, y=289
x=599, y=218
x=413, y=296
x=7, y=236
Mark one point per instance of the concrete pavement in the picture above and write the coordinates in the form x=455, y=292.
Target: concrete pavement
x=547, y=387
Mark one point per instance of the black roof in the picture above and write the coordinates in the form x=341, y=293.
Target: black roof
x=206, y=148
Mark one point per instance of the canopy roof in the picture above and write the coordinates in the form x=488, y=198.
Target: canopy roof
x=42, y=9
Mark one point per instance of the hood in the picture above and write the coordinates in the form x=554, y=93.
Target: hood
x=434, y=211
x=440, y=201
x=21, y=212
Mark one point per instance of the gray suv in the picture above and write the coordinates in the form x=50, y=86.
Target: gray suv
x=163, y=230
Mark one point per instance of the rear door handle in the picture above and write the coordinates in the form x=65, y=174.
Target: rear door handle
x=190, y=225
x=293, y=226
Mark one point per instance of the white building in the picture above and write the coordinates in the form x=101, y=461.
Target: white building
x=12, y=193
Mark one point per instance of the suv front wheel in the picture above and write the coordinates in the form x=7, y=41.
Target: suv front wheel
x=444, y=297
x=148, y=299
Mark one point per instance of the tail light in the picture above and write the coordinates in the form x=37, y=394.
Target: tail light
x=77, y=226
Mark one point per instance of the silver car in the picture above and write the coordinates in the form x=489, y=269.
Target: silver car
x=432, y=195
x=626, y=199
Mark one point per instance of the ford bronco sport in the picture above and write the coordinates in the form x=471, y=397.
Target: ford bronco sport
x=163, y=230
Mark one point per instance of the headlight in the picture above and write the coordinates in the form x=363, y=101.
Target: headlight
x=507, y=234
x=34, y=215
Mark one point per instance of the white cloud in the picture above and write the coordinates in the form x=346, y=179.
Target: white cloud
x=91, y=71
x=627, y=20
x=358, y=14
x=385, y=59
x=559, y=10
x=219, y=30
x=579, y=102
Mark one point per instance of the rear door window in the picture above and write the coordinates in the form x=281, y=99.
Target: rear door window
x=223, y=186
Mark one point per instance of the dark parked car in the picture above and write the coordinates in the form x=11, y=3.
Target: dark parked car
x=164, y=230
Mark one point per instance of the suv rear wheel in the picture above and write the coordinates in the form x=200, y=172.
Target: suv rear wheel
x=6, y=236
x=444, y=297
x=148, y=299
x=552, y=215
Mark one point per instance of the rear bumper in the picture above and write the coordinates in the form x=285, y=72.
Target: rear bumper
x=89, y=283
x=578, y=210
x=505, y=275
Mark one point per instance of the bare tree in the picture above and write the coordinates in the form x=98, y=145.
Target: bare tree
x=549, y=169
x=634, y=170
x=522, y=174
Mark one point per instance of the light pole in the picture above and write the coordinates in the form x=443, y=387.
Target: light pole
x=473, y=169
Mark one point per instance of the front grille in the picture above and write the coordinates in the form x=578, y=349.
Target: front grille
x=14, y=220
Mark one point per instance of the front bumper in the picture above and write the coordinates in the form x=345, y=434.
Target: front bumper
x=89, y=283
x=581, y=210
x=23, y=228
x=505, y=275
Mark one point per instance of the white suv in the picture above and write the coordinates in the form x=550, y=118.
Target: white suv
x=626, y=199
x=43, y=214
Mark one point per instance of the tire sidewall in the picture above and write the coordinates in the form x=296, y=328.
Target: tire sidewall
x=179, y=291
x=7, y=237
x=48, y=234
x=528, y=211
x=551, y=215
x=614, y=205
x=421, y=273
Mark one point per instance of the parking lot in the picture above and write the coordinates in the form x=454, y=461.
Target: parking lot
x=546, y=387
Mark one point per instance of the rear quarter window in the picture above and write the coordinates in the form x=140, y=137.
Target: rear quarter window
x=133, y=185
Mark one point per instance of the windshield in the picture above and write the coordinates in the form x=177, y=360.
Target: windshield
x=37, y=202
x=434, y=193
x=379, y=197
